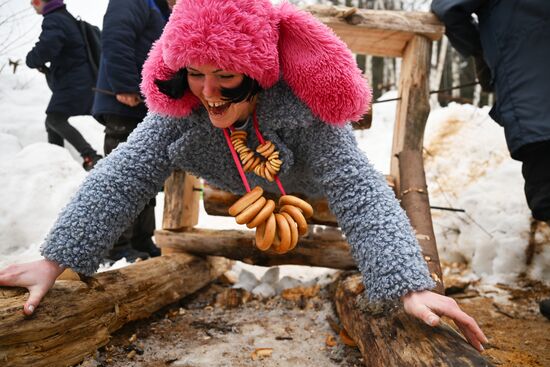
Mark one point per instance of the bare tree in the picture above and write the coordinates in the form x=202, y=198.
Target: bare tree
x=13, y=31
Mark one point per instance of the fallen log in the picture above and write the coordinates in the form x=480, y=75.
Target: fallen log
x=75, y=318
x=326, y=249
x=389, y=337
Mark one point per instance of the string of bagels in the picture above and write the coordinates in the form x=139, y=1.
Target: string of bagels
x=280, y=230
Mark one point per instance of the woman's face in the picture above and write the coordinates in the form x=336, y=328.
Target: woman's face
x=206, y=82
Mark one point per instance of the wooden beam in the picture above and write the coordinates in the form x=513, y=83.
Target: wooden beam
x=326, y=249
x=75, y=318
x=390, y=337
x=378, y=32
x=181, y=201
x=217, y=202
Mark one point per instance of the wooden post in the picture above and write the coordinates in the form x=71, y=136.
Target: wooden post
x=181, y=201
x=181, y=204
x=412, y=113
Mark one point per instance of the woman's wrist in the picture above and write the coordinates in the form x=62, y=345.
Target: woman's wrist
x=54, y=266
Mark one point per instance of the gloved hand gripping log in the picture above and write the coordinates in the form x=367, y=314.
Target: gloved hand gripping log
x=277, y=230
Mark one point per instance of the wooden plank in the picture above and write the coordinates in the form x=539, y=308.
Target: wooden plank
x=378, y=32
x=181, y=201
x=326, y=249
x=390, y=337
x=75, y=318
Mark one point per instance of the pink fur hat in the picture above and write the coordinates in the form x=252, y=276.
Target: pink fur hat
x=264, y=42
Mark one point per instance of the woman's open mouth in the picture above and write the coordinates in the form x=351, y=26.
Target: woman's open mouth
x=217, y=108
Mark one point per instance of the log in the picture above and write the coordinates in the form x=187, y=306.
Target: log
x=326, y=249
x=217, y=202
x=75, y=318
x=389, y=337
x=378, y=32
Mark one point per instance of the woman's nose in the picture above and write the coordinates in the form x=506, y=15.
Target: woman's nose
x=210, y=88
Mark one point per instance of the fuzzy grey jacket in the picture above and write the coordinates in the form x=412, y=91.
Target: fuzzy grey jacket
x=319, y=159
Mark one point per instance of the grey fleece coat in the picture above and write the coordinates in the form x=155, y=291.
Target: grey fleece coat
x=319, y=159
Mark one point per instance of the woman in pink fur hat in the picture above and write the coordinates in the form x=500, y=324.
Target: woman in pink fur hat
x=245, y=94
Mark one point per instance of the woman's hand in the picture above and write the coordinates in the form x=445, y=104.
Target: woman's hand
x=38, y=277
x=428, y=306
x=129, y=99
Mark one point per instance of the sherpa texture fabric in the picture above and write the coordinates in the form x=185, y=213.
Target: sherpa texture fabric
x=264, y=42
x=319, y=159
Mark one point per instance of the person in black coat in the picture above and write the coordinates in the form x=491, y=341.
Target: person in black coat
x=129, y=29
x=69, y=75
x=512, y=38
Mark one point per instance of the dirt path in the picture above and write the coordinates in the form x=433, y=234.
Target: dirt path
x=519, y=336
x=220, y=326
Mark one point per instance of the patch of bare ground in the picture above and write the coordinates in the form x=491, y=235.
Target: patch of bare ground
x=221, y=326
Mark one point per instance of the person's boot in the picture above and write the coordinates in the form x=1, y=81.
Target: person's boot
x=146, y=245
x=89, y=161
x=125, y=251
x=544, y=306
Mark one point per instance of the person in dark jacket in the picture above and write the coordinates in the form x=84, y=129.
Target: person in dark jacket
x=512, y=38
x=69, y=76
x=129, y=29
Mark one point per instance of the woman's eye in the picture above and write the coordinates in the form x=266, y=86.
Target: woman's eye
x=195, y=75
x=227, y=76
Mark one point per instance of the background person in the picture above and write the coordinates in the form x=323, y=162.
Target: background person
x=129, y=29
x=69, y=76
x=511, y=39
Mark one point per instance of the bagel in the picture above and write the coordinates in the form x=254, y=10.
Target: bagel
x=265, y=233
x=238, y=134
x=284, y=234
x=298, y=217
x=271, y=169
x=267, y=174
x=268, y=151
x=297, y=202
x=293, y=230
x=245, y=201
x=264, y=147
x=263, y=215
x=251, y=211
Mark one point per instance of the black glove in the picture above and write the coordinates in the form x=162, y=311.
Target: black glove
x=483, y=73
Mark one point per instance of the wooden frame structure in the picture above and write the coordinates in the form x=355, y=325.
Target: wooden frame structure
x=76, y=317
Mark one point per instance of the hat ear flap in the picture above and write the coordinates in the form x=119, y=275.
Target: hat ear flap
x=155, y=69
x=320, y=68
